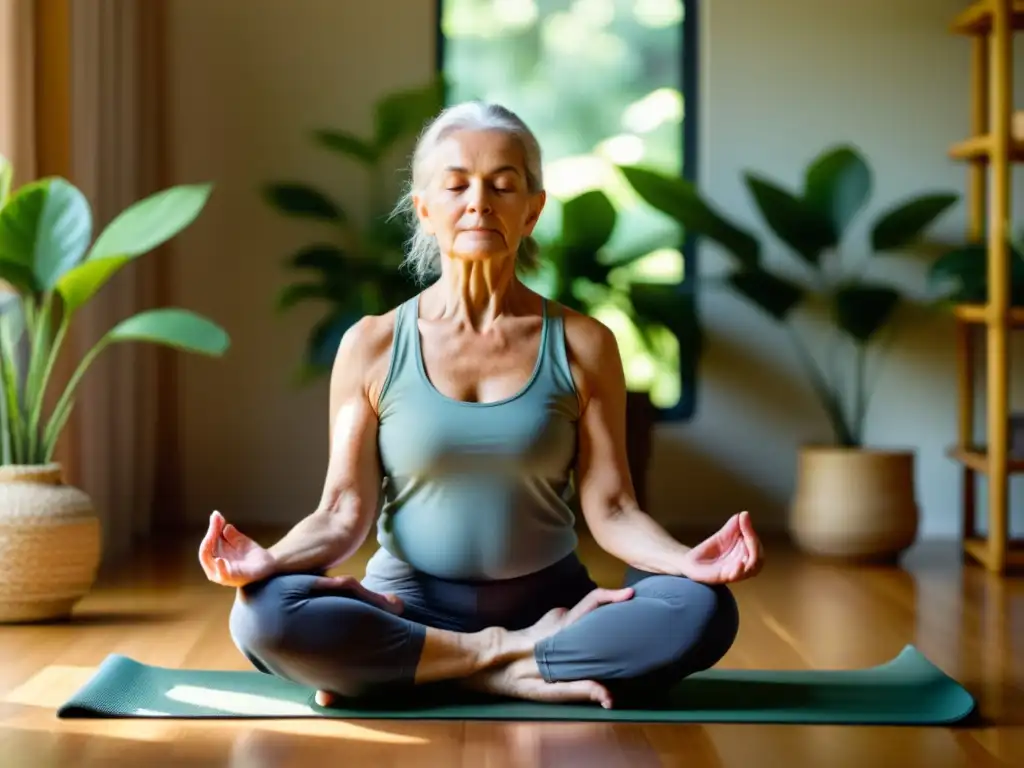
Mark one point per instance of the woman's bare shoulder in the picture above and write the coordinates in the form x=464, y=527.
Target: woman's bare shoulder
x=593, y=351
x=364, y=354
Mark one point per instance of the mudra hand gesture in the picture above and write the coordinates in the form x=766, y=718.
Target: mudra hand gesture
x=231, y=558
x=732, y=554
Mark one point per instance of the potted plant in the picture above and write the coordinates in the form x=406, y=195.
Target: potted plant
x=851, y=500
x=355, y=269
x=582, y=268
x=49, y=532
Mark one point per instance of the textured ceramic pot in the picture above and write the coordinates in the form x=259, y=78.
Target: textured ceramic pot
x=854, y=503
x=50, y=544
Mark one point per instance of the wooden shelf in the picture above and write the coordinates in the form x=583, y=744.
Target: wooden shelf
x=978, y=548
x=976, y=19
x=978, y=314
x=979, y=150
x=975, y=458
x=991, y=24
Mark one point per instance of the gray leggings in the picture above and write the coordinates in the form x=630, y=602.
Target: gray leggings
x=671, y=628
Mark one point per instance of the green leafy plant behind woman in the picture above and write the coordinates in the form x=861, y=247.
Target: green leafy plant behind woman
x=813, y=223
x=49, y=259
x=354, y=266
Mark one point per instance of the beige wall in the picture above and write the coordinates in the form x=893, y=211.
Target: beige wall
x=256, y=449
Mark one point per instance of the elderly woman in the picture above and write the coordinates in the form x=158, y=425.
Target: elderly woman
x=477, y=417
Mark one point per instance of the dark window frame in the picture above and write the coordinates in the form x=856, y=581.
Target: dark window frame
x=686, y=408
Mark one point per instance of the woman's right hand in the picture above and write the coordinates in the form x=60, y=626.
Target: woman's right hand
x=231, y=558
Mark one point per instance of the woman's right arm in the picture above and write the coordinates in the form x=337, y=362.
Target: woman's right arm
x=348, y=505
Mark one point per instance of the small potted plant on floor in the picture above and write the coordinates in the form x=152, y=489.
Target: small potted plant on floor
x=851, y=500
x=51, y=266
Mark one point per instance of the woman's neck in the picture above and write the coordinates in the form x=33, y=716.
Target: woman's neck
x=475, y=292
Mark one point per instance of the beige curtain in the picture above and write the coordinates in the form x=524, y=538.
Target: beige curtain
x=81, y=93
x=17, y=85
x=116, y=160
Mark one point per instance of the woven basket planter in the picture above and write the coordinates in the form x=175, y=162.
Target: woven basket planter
x=49, y=544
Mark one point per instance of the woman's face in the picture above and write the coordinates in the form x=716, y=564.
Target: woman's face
x=476, y=202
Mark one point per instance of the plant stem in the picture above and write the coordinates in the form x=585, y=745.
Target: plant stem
x=36, y=416
x=859, y=397
x=38, y=357
x=5, y=424
x=14, y=424
x=62, y=410
x=828, y=400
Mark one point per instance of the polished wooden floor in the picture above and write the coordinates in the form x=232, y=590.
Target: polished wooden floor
x=797, y=614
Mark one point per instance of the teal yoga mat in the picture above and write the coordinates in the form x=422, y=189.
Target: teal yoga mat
x=908, y=690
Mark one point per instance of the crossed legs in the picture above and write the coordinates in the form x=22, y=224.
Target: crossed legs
x=669, y=628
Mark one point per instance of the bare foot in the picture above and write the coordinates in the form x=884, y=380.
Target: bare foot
x=520, y=678
x=506, y=664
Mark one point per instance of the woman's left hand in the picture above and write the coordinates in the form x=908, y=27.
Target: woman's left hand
x=732, y=554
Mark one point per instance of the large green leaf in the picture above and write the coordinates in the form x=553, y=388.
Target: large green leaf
x=65, y=230
x=152, y=221
x=296, y=293
x=387, y=235
x=799, y=225
x=45, y=227
x=173, y=327
x=302, y=200
x=404, y=113
x=772, y=294
x=680, y=200
x=961, y=273
x=347, y=144
x=838, y=184
x=588, y=221
x=18, y=275
x=903, y=224
x=668, y=306
x=322, y=257
x=6, y=179
x=862, y=309
x=80, y=284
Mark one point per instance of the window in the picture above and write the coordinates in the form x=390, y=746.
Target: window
x=601, y=83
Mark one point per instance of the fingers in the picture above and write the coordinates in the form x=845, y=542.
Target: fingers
x=755, y=550
x=390, y=603
x=234, y=536
x=597, y=598
x=208, y=546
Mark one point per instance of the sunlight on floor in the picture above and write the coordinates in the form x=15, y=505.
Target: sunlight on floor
x=234, y=703
x=45, y=691
x=51, y=686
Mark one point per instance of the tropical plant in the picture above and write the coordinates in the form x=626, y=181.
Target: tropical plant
x=584, y=271
x=813, y=223
x=50, y=262
x=355, y=269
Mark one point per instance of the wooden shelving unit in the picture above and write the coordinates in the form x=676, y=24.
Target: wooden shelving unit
x=989, y=152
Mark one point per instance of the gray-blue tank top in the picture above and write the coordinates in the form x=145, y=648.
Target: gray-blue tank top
x=472, y=490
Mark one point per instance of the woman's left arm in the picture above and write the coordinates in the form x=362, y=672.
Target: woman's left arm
x=605, y=487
